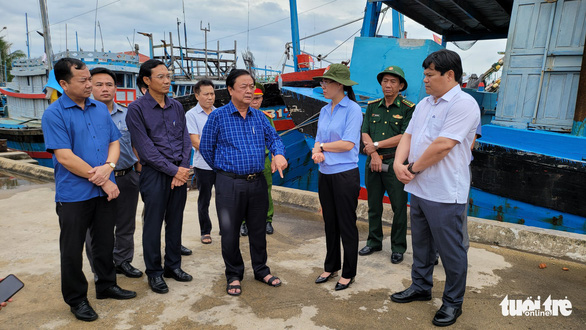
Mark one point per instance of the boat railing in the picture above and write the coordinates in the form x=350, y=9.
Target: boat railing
x=91, y=58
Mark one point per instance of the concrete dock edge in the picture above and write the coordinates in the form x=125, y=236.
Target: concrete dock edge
x=531, y=239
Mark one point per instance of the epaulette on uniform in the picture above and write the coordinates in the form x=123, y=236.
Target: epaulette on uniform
x=408, y=103
x=268, y=114
x=374, y=101
x=121, y=104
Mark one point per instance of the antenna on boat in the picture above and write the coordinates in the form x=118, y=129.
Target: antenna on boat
x=101, y=37
x=205, y=30
x=28, y=48
x=46, y=34
x=95, y=24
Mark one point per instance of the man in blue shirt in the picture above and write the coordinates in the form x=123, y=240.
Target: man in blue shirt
x=159, y=135
x=233, y=144
x=84, y=142
x=104, y=90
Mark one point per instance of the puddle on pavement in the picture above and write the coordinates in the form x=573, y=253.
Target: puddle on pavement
x=8, y=181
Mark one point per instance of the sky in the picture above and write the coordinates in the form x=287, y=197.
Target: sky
x=263, y=26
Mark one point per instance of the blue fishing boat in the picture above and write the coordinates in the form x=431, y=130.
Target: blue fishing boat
x=529, y=166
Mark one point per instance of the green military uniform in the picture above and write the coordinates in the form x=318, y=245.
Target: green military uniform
x=381, y=123
x=269, y=175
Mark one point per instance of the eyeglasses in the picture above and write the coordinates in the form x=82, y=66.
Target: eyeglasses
x=324, y=83
x=163, y=76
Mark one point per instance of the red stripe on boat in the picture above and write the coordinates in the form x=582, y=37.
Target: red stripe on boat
x=22, y=95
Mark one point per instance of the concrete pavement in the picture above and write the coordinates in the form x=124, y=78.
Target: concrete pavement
x=29, y=249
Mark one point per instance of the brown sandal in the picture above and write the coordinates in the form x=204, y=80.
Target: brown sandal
x=206, y=239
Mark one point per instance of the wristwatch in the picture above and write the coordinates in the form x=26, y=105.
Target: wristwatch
x=321, y=146
x=112, y=165
x=376, y=144
x=410, y=169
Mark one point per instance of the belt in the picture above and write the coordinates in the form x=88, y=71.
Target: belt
x=122, y=172
x=387, y=156
x=247, y=177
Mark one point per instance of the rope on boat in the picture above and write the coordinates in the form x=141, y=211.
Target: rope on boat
x=304, y=123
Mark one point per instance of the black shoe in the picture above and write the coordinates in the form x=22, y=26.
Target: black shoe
x=243, y=230
x=270, y=229
x=116, y=292
x=340, y=286
x=84, y=312
x=446, y=316
x=320, y=279
x=396, y=257
x=178, y=274
x=409, y=295
x=158, y=285
x=368, y=250
x=185, y=251
x=436, y=262
x=128, y=270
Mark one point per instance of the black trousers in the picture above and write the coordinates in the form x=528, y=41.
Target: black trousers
x=161, y=203
x=237, y=199
x=75, y=219
x=205, y=180
x=338, y=196
x=125, y=220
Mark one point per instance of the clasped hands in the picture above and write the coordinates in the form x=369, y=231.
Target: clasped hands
x=101, y=178
x=180, y=178
x=317, y=155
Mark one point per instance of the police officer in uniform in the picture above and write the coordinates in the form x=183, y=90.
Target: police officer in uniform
x=384, y=123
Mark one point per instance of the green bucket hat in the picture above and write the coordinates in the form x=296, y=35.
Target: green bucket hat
x=338, y=73
x=394, y=70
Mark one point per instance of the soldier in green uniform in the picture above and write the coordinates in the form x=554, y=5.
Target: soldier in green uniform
x=384, y=123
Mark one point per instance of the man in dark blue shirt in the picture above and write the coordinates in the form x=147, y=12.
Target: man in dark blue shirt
x=84, y=142
x=233, y=144
x=159, y=135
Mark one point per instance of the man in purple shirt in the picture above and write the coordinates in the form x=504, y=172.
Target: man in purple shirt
x=159, y=134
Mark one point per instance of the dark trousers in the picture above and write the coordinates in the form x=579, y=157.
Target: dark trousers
x=75, y=219
x=338, y=196
x=237, y=199
x=376, y=184
x=125, y=220
x=205, y=180
x=439, y=223
x=161, y=203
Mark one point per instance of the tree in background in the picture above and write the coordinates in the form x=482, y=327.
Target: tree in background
x=6, y=58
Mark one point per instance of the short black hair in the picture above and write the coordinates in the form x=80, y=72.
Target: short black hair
x=147, y=67
x=445, y=60
x=63, y=68
x=231, y=80
x=203, y=82
x=109, y=72
x=140, y=84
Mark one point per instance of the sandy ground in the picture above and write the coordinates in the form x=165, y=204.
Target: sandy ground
x=29, y=248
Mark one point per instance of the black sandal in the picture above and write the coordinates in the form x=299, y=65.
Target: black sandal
x=270, y=281
x=232, y=287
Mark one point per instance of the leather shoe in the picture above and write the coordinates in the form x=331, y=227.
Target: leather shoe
x=178, y=274
x=446, y=315
x=84, y=312
x=158, y=285
x=128, y=270
x=320, y=279
x=243, y=230
x=116, y=292
x=396, y=257
x=185, y=251
x=270, y=229
x=368, y=250
x=340, y=286
x=409, y=295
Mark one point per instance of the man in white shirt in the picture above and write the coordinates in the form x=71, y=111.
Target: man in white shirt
x=437, y=146
x=205, y=176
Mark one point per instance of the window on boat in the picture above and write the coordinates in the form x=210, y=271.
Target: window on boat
x=129, y=81
x=120, y=80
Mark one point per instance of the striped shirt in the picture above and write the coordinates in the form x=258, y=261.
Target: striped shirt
x=234, y=144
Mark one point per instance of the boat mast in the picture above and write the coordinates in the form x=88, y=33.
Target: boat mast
x=294, y=32
x=371, y=18
x=46, y=34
